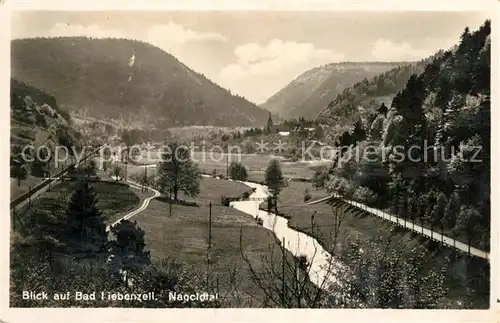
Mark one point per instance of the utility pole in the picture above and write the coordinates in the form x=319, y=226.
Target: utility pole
x=126, y=164
x=116, y=165
x=227, y=164
x=14, y=219
x=312, y=222
x=210, y=225
x=145, y=176
x=283, y=271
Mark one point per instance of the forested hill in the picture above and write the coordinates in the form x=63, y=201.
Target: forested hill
x=446, y=107
x=34, y=111
x=364, y=97
x=312, y=90
x=120, y=79
x=36, y=119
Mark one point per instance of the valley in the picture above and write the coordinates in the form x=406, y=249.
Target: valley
x=168, y=182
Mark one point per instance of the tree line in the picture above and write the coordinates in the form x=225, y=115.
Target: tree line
x=440, y=121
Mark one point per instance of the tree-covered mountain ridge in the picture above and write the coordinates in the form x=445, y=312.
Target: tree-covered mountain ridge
x=363, y=98
x=313, y=89
x=122, y=79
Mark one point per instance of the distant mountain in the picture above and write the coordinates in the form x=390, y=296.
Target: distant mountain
x=127, y=81
x=362, y=99
x=312, y=90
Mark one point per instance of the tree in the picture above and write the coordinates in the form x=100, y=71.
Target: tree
x=274, y=180
x=91, y=168
x=383, y=109
x=238, y=172
x=177, y=172
x=452, y=210
x=19, y=171
x=319, y=132
x=117, y=173
x=377, y=128
x=40, y=166
x=319, y=178
x=86, y=230
x=468, y=222
x=359, y=132
x=128, y=247
x=439, y=210
x=105, y=166
x=269, y=123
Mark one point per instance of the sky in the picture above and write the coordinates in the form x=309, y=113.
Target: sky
x=255, y=54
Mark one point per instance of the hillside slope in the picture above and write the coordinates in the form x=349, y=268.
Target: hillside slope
x=126, y=80
x=312, y=90
x=446, y=107
x=36, y=120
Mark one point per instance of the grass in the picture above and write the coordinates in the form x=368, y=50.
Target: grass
x=361, y=225
x=16, y=190
x=255, y=164
x=184, y=235
x=113, y=199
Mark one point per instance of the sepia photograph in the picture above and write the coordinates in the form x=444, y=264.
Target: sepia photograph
x=250, y=159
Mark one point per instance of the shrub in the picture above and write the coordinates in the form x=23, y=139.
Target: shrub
x=245, y=196
x=307, y=195
x=340, y=186
x=302, y=262
x=260, y=221
x=224, y=200
x=238, y=172
x=365, y=195
x=320, y=178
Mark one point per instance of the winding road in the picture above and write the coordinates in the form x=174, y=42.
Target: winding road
x=411, y=226
x=141, y=208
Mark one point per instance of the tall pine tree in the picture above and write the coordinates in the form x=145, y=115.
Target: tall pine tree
x=86, y=231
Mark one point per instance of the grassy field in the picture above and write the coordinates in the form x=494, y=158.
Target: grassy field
x=184, y=235
x=361, y=225
x=16, y=190
x=113, y=199
x=256, y=166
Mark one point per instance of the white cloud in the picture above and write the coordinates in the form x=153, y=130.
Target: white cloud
x=386, y=50
x=276, y=57
x=67, y=30
x=170, y=36
x=173, y=33
x=272, y=66
x=173, y=38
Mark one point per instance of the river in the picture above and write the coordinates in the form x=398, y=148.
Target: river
x=322, y=271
